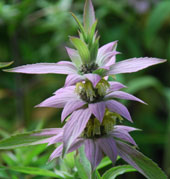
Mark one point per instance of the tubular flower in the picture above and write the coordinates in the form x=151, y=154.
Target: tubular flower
x=94, y=100
x=88, y=61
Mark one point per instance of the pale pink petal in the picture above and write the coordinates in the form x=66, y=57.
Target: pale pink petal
x=65, y=90
x=58, y=151
x=123, y=135
x=119, y=108
x=133, y=65
x=108, y=146
x=105, y=49
x=123, y=95
x=94, y=78
x=45, y=68
x=71, y=106
x=98, y=109
x=75, y=126
x=74, y=56
x=122, y=128
x=73, y=79
x=114, y=86
x=93, y=152
x=57, y=101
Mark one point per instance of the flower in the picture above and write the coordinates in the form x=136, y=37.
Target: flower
x=95, y=100
x=96, y=145
x=89, y=61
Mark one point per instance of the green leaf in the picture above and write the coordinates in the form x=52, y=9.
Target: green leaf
x=5, y=64
x=89, y=15
x=142, y=163
x=37, y=171
x=94, y=49
x=82, y=49
x=83, y=164
x=105, y=162
x=116, y=171
x=25, y=139
x=158, y=16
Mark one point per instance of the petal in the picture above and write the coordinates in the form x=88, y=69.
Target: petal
x=114, y=86
x=56, y=139
x=74, y=56
x=123, y=95
x=74, y=127
x=71, y=106
x=105, y=49
x=94, y=78
x=49, y=132
x=45, y=68
x=119, y=108
x=57, y=101
x=133, y=65
x=123, y=135
x=73, y=79
x=58, y=151
x=108, y=146
x=98, y=109
x=93, y=153
x=65, y=90
x=124, y=128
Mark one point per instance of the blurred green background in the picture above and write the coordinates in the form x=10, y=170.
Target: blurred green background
x=34, y=31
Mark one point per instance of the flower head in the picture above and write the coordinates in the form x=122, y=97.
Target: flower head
x=95, y=99
x=88, y=60
x=111, y=143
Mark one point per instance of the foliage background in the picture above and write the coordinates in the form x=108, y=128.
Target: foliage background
x=34, y=31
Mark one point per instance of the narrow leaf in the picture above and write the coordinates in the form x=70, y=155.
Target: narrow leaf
x=25, y=139
x=36, y=171
x=139, y=161
x=116, y=171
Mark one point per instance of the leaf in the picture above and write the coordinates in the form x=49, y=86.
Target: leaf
x=116, y=171
x=5, y=64
x=89, y=15
x=139, y=161
x=158, y=16
x=82, y=49
x=105, y=162
x=25, y=139
x=37, y=171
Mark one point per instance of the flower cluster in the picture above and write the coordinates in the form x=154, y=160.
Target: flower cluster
x=88, y=99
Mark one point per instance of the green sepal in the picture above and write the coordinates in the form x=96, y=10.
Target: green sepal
x=80, y=26
x=82, y=49
x=100, y=72
x=94, y=49
x=91, y=35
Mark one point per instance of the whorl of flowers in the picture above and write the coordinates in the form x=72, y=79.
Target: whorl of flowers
x=89, y=100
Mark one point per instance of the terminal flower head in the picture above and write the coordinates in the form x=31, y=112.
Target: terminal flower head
x=88, y=61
